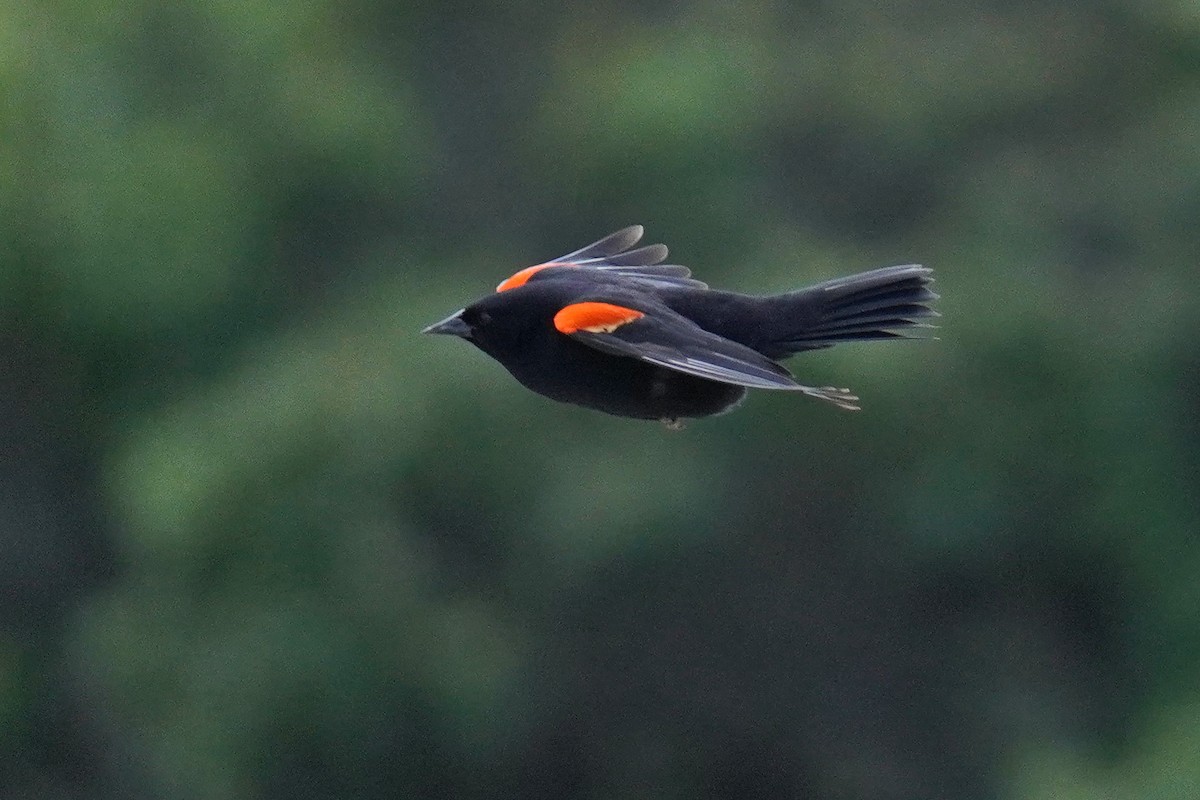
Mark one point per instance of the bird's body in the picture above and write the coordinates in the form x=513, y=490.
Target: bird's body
x=612, y=329
x=570, y=371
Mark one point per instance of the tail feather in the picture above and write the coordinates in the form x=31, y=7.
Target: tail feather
x=881, y=327
x=910, y=312
x=885, y=299
x=888, y=303
x=872, y=279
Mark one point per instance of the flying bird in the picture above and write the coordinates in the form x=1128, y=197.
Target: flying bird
x=612, y=328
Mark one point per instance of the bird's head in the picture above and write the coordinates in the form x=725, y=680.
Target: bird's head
x=501, y=323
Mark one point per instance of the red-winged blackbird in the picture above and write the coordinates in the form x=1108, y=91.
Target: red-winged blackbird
x=609, y=327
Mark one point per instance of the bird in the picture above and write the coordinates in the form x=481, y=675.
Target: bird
x=612, y=328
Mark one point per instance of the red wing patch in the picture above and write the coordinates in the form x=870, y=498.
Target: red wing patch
x=594, y=318
x=522, y=277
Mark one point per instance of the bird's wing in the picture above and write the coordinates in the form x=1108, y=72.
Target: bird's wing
x=616, y=256
x=660, y=336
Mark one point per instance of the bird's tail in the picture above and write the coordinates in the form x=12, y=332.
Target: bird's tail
x=888, y=303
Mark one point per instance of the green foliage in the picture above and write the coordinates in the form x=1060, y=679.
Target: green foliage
x=312, y=554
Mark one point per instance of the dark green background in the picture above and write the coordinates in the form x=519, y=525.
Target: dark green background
x=260, y=539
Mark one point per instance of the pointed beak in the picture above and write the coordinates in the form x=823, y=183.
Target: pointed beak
x=452, y=325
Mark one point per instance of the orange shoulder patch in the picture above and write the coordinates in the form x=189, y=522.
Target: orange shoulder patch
x=522, y=277
x=594, y=317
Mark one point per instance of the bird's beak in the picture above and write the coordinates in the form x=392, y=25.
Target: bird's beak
x=452, y=325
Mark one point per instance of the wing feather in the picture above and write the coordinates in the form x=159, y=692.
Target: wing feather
x=670, y=340
x=662, y=337
x=616, y=242
x=615, y=257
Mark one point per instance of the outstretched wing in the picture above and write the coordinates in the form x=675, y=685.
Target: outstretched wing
x=660, y=336
x=616, y=256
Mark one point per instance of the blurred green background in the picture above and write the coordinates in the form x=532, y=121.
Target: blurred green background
x=260, y=539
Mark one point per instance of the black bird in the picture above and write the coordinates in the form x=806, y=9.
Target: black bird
x=612, y=328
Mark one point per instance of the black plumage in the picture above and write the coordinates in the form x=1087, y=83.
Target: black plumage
x=612, y=328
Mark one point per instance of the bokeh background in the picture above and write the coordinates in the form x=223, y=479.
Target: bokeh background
x=260, y=539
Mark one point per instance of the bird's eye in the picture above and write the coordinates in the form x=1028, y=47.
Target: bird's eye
x=473, y=317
